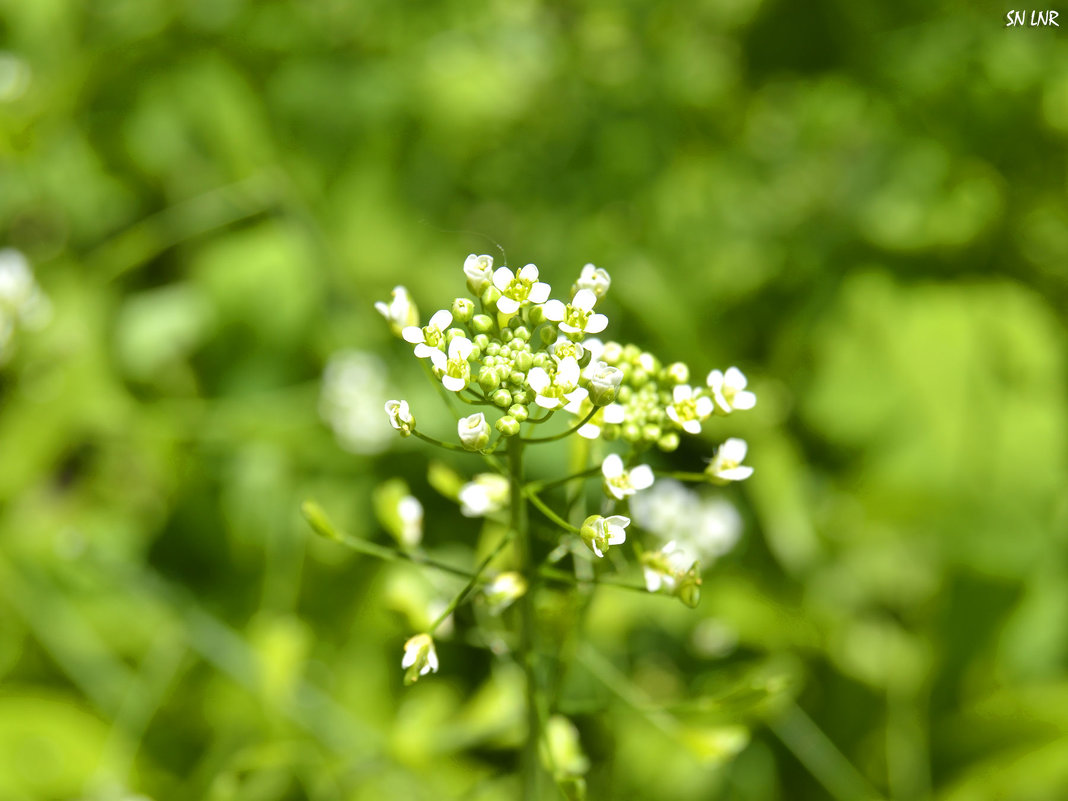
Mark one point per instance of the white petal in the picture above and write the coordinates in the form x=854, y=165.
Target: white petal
x=567, y=372
x=412, y=334
x=715, y=380
x=691, y=427
x=567, y=328
x=612, y=466
x=641, y=477
x=617, y=520
x=589, y=431
x=615, y=413
x=734, y=378
x=733, y=449
x=439, y=359
x=382, y=309
x=409, y=657
x=575, y=397
x=452, y=383
x=652, y=579
x=554, y=310
x=705, y=407
x=460, y=348
x=596, y=324
x=432, y=660
x=529, y=272
x=744, y=400
x=596, y=549
x=584, y=299
x=539, y=293
x=441, y=320
x=681, y=392
x=502, y=277
x=538, y=379
x=736, y=473
x=506, y=305
x=547, y=403
x=673, y=415
x=615, y=492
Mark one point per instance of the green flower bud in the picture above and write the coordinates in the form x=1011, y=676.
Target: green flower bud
x=481, y=341
x=507, y=335
x=463, y=310
x=677, y=373
x=522, y=333
x=502, y=398
x=542, y=360
x=519, y=412
x=490, y=296
x=536, y=315
x=488, y=379
x=631, y=432
x=507, y=425
x=494, y=348
x=523, y=361
x=523, y=396
x=516, y=378
x=651, y=432
x=668, y=442
x=548, y=334
x=610, y=431
x=612, y=353
x=482, y=323
x=689, y=590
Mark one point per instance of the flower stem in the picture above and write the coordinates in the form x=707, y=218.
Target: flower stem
x=475, y=579
x=447, y=445
x=549, y=513
x=520, y=526
x=569, y=431
x=539, y=486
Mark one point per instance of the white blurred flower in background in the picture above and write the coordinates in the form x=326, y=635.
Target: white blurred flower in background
x=22, y=303
x=354, y=391
x=706, y=527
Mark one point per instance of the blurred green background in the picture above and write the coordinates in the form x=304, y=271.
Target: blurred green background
x=861, y=205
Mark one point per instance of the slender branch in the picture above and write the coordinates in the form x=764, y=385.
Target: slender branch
x=542, y=507
x=447, y=445
x=569, y=431
x=535, y=421
x=681, y=476
x=539, y=486
x=322, y=526
x=472, y=582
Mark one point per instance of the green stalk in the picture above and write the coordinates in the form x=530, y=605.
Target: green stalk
x=520, y=526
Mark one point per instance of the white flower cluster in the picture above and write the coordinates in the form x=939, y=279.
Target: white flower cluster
x=353, y=392
x=516, y=348
x=22, y=303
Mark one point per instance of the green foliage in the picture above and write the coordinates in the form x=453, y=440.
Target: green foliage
x=864, y=206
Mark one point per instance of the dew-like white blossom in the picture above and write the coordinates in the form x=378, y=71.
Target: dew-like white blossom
x=729, y=392
x=456, y=370
x=410, y=512
x=621, y=483
x=420, y=657
x=689, y=409
x=474, y=431
x=593, y=279
x=479, y=272
x=600, y=532
x=726, y=465
x=578, y=316
x=353, y=393
x=519, y=289
x=400, y=416
x=559, y=389
x=429, y=339
x=400, y=312
x=485, y=494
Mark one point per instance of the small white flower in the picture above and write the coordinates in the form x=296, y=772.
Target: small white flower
x=729, y=392
x=410, y=512
x=519, y=289
x=594, y=279
x=456, y=370
x=354, y=388
x=727, y=465
x=689, y=409
x=600, y=532
x=400, y=312
x=503, y=590
x=474, y=431
x=578, y=316
x=621, y=483
x=561, y=388
x=400, y=416
x=485, y=494
x=420, y=657
x=431, y=338
x=604, y=382
x=707, y=527
x=613, y=413
x=479, y=272
x=664, y=569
